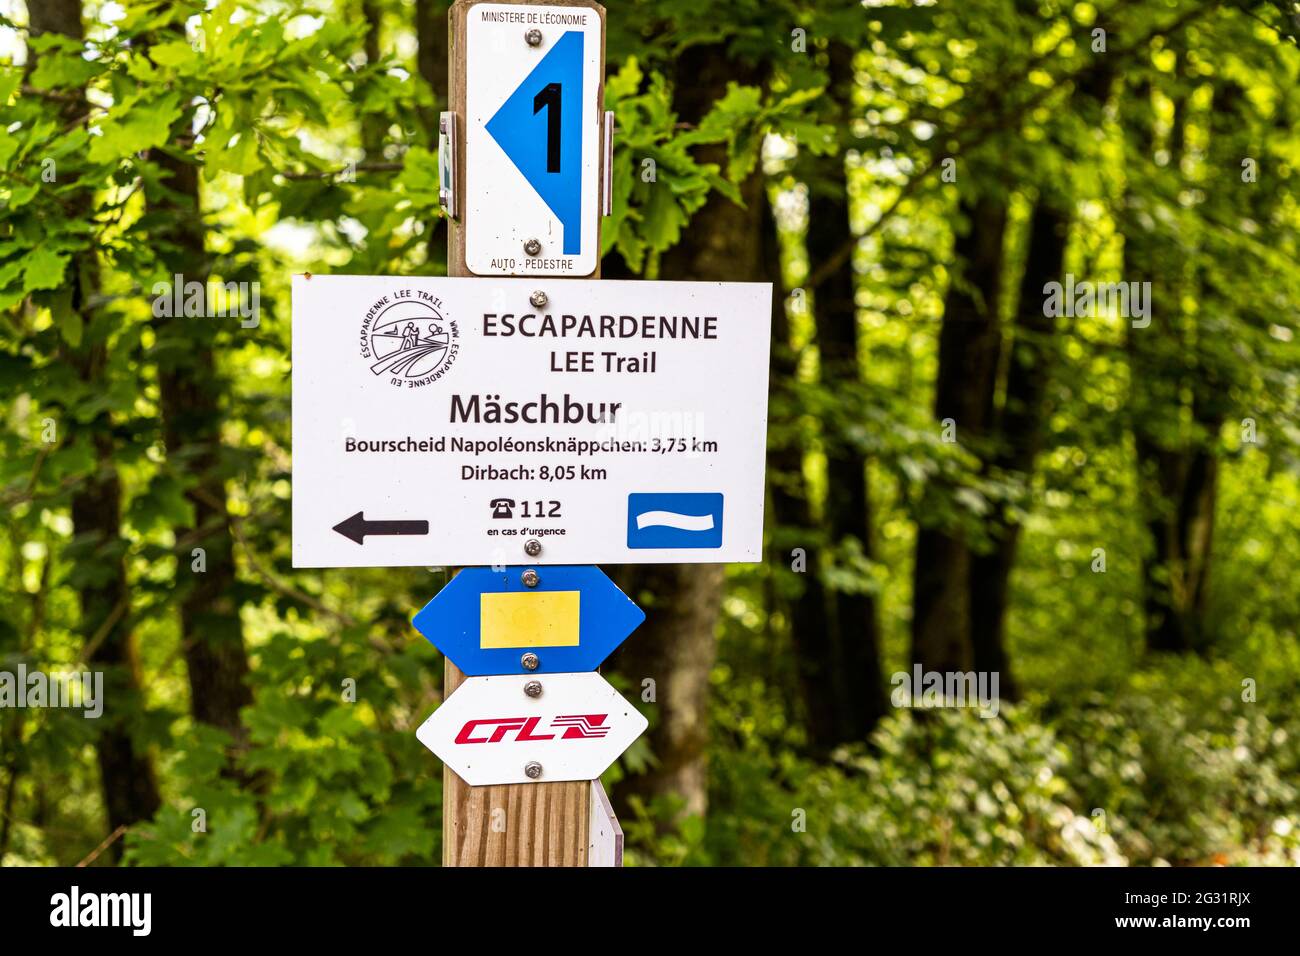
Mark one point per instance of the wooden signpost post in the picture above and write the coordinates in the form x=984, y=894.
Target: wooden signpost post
x=540, y=824
x=513, y=824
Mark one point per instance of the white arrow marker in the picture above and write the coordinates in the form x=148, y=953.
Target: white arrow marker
x=523, y=728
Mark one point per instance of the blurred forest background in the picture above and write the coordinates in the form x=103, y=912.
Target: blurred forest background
x=1105, y=511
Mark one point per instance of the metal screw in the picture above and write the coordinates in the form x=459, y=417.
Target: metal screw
x=534, y=37
x=532, y=247
x=530, y=661
x=538, y=299
x=530, y=578
x=532, y=770
x=533, y=688
x=533, y=548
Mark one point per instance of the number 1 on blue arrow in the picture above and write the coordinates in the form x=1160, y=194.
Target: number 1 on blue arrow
x=550, y=100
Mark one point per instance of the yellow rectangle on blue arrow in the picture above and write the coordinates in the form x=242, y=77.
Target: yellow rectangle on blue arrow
x=533, y=619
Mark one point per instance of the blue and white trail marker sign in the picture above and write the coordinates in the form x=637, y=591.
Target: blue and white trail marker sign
x=523, y=620
x=532, y=139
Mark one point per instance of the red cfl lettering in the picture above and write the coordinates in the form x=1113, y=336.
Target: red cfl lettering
x=524, y=727
x=575, y=727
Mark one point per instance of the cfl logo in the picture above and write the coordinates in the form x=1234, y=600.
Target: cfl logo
x=493, y=730
x=581, y=726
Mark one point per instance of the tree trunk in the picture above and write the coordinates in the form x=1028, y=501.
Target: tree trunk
x=191, y=390
x=675, y=649
x=373, y=131
x=848, y=678
x=1017, y=436
x=675, y=646
x=431, y=57
x=130, y=787
x=1174, y=434
x=791, y=521
x=851, y=673
x=1018, y=426
x=969, y=349
x=126, y=772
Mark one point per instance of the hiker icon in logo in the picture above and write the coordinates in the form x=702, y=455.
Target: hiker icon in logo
x=412, y=343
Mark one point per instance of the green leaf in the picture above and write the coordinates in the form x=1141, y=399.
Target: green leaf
x=164, y=505
x=71, y=326
x=663, y=219
x=134, y=126
x=43, y=269
x=242, y=159
x=9, y=80
x=63, y=70
x=11, y=270
x=175, y=54
x=625, y=82
x=21, y=195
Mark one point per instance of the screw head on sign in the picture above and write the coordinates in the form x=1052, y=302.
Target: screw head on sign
x=530, y=661
x=530, y=578
x=532, y=770
x=538, y=299
x=532, y=247
x=533, y=688
x=532, y=547
x=534, y=37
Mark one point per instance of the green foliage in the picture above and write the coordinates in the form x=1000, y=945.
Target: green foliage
x=658, y=183
x=324, y=780
x=313, y=158
x=1171, y=767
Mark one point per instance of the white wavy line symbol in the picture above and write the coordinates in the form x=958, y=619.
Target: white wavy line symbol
x=671, y=519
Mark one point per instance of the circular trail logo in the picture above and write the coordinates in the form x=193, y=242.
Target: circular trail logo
x=410, y=341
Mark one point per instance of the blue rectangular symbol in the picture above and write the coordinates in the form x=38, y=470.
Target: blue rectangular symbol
x=674, y=520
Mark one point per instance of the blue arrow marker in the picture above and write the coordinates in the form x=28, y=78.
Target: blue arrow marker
x=540, y=129
x=486, y=621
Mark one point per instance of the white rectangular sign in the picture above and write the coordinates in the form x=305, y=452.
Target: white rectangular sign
x=453, y=421
x=532, y=139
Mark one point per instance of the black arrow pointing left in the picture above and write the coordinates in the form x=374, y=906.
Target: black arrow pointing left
x=357, y=527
